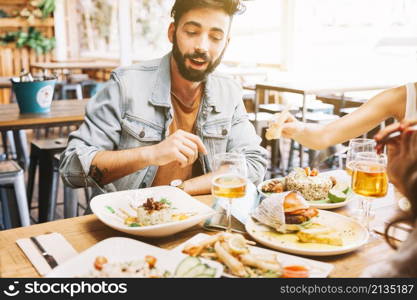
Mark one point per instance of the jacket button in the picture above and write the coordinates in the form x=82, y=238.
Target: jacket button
x=142, y=134
x=142, y=185
x=224, y=131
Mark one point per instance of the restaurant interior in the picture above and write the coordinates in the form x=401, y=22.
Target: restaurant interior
x=316, y=61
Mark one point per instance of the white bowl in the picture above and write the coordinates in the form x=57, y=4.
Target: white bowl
x=181, y=201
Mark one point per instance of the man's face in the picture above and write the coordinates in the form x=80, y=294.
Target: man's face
x=199, y=41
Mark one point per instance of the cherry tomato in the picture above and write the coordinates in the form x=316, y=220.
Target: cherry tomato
x=295, y=272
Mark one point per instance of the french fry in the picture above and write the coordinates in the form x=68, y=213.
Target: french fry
x=235, y=266
x=195, y=250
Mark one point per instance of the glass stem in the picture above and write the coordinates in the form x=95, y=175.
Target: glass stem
x=366, y=206
x=229, y=215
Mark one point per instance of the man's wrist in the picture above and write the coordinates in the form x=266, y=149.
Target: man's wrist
x=147, y=156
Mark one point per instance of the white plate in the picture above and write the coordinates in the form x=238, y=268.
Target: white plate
x=181, y=201
x=119, y=249
x=316, y=269
x=354, y=235
x=340, y=175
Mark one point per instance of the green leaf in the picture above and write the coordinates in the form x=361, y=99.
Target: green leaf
x=165, y=201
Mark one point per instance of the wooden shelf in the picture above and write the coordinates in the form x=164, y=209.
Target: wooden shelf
x=23, y=22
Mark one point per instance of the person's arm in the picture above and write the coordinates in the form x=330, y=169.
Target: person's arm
x=181, y=146
x=390, y=103
x=91, y=159
x=243, y=139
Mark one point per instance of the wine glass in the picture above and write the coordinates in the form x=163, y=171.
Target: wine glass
x=229, y=181
x=369, y=181
x=357, y=146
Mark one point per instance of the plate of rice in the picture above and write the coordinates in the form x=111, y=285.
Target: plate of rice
x=151, y=212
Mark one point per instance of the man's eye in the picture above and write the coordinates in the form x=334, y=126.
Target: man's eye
x=191, y=32
x=217, y=38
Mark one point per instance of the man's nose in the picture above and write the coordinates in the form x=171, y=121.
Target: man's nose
x=202, y=44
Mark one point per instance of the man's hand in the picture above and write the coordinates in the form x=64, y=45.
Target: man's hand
x=181, y=146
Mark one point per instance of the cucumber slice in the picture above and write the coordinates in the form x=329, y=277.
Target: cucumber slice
x=336, y=196
x=196, y=271
x=186, y=265
x=209, y=272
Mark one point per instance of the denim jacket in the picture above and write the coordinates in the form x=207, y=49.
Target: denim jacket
x=134, y=110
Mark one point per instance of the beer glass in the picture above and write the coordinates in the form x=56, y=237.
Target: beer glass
x=229, y=181
x=369, y=180
x=358, y=146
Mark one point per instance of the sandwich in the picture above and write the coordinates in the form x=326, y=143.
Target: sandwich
x=286, y=212
x=274, y=130
x=298, y=214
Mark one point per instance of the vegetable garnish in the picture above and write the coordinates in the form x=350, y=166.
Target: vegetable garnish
x=295, y=272
x=110, y=209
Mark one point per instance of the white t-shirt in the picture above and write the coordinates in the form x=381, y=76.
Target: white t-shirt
x=411, y=105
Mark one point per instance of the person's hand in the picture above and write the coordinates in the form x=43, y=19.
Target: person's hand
x=181, y=146
x=402, y=150
x=291, y=127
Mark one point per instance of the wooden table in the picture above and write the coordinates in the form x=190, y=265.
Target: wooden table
x=65, y=68
x=83, y=232
x=84, y=65
x=63, y=113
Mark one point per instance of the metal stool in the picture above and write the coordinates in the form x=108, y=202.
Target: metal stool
x=12, y=174
x=42, y=154
x=64, y=88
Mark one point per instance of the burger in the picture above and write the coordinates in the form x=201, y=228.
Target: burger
x=298, y=214
x=285, y=212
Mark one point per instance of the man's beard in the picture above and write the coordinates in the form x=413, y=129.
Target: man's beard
x=189, y=73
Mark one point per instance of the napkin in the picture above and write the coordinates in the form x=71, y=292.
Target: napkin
x=53, y=243
x=241, y=209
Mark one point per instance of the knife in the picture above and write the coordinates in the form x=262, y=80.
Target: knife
x=49, y=258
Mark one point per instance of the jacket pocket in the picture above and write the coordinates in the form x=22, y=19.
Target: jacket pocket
x=217, y=129
x=137, y=132
x=215, y=136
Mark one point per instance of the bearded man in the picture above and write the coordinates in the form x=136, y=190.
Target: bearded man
x=161, y=122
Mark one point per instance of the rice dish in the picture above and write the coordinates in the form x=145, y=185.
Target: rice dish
x=154, y=217
x=154, y=212
x=311, y=187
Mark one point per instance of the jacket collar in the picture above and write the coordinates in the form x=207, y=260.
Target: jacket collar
x=161, y=95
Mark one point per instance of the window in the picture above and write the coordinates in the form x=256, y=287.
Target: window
x=256, y=34
x=354, y=36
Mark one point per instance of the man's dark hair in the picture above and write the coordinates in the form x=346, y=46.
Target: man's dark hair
x=230, y=7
